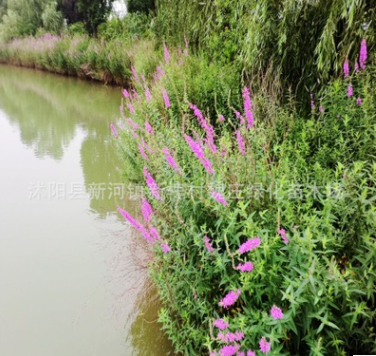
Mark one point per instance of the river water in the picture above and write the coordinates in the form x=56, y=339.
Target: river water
x=73, y=279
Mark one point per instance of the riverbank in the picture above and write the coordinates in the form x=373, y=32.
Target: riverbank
x=109, y=62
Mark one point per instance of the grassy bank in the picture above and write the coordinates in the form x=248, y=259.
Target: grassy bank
x=82, y=56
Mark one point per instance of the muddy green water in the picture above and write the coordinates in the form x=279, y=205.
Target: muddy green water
x=73, y=280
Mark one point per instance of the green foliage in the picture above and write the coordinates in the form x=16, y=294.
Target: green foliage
x=131, y=26
x=298, y=43
x=77, y=28
x=94, y=12
x=9, y=27
x=51, y=18
x=312, y=174
x=141, y=6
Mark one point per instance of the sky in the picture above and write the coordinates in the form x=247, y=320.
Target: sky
x=120, y=8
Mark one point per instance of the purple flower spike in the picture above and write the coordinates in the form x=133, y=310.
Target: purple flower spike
x=245, y=267
x=264, y=345
x=219, y=198
x=350, y=91
x=113, y=130
x=346, y=68
x=126, y=94
x=146, y=210
x=166, y=54
x=359, y=101
x=247, y=107
x=154, y=189
x=229, y=350
x=230, y=299
x=170, y=160
x=220, y=324
x=130, y=107
x=165, y=247
x=208, y=244
x=166, y=99
x=363, y=54
x=241, y=144
x=276, y=312
x=142, y=152
x=249, y=245
x=149, y=128
x=282, y=233
x=129, y=218
x=251, y=353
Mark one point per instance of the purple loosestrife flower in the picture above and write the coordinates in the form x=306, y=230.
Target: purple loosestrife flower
x=133, y=124
x=251, y=353
x=247, y=107
x=149, y=128
x=219, y=198
x=146, y=146
x=282, y=233
x=147, y=94
x=197, y=150
x=208, y=244
x=350, y=91
x=321, y=109
x=134, y=134
x=154, y=232
x=146, y=210
x=154, y=189
x=160, y=72
x=363, y=54
x=356, y=67
x=229, y=350
x=170, y=160
x=221, y=118
x=276, y=312
x=130, y=107
x=134, y=94
x=135, y=76
x=245, y=267
x=166, y=54
x=145, y=233
x=165, y=247
x=231, y=337
x=249, y=245
x=220, y=324
x=264, y=345
x=241, y=118
x=230, y=298
x=241, y=353
x=207, y=127
x=346, y=69
x=312, y=101
x=241, y=144
x=359, y=101
x=126, y=94
x=113, y=130
x=128, y=217
x=166, y=99
x=142, y=152
x=142, y=77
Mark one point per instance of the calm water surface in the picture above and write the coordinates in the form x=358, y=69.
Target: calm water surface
x=72, y=275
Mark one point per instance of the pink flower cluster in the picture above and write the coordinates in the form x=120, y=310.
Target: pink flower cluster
x=247, y=107
x=282, y=233
x=146, y=210
x=154, y=189
x=198, y=151
x=149, y=128
x=170, y=160
x=363, y=54
x=230, y=298
x=241, y=144
x=229, y=350
x=113, y=130
x=209, y=130
x=208, y=244
x=220, y=324
x=245, y=267
x=249, y=245
x=219, y=198
x=166, y=99
x=276, y=312
x=231, y=337
x=346, y=69
x=264, y=345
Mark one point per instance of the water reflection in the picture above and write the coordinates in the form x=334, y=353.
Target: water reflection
x=65, y=122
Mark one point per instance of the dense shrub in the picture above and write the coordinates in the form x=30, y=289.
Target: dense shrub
x=264, y=219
